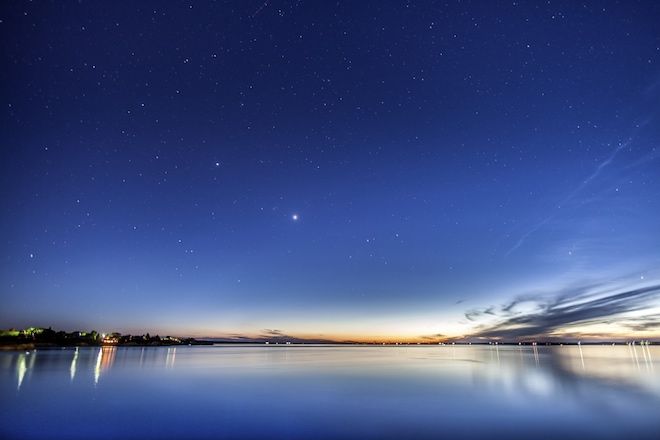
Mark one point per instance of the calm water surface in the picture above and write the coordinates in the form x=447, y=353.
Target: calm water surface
x=315, y=392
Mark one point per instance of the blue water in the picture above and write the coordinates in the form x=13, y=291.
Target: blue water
x=318, y=392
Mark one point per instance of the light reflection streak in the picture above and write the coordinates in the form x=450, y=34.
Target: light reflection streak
x=650, y=359
x=97, y=367
x=74, y=364
x=171, y=356
x=646, y=361
x=23, y=365
x=581, y=355
x=104, y=360
x=634, y=352
x=21, y=368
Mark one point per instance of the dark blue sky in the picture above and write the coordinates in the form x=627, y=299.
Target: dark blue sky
x=452, y=166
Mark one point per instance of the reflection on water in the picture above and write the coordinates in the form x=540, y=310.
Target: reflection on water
x=24, y=362
x=21, y=368
x=171, y=357
x=331, y=392
x=104, y=360
x=74, y=361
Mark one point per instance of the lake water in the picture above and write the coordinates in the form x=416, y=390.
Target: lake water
x=318, y=392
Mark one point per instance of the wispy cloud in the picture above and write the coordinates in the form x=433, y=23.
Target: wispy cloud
x=643, y=323
x=473, y=314
x=273, y=336
x=582, y=185
x=272, y=332
x=434, y=337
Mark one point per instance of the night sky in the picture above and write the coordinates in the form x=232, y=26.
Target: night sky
x=371, y=170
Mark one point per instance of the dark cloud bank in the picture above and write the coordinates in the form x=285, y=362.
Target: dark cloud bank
x=273, y=336
x=573, y=307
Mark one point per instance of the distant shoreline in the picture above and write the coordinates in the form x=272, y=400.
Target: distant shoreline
x=34, y=346
x=37, y=337
x=46, y=346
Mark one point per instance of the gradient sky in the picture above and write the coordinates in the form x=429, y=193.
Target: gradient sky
x=356, y=170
